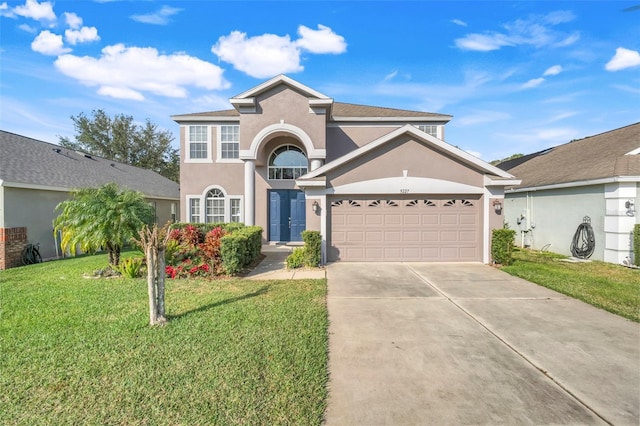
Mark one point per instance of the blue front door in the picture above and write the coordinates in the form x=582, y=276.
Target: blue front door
x=287, y=215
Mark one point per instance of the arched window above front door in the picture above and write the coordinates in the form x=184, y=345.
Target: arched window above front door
x=287, y=162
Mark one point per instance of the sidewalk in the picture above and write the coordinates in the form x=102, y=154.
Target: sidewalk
x=274, y=266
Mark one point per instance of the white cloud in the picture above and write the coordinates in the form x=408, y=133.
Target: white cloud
x=160, y=17
x=624, y=58
x=269, y=54
x=534, y=82
x=554, y=70
x=535, y=30
x=34, y=10
x=483, y=42
x=83, y=35
x=48, y=43
x=5, y=11
x=459, y=22
x=261, y=56
x=128, y=72
x=474, y=153
x=390, y=76
x=322, y=40
x=28, y=28
x=73, y=20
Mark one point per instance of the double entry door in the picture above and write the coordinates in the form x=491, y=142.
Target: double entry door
x=287, y=215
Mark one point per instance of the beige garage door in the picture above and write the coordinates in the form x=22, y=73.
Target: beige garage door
x=405, y=229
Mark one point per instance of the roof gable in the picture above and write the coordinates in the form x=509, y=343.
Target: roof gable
x=408, y=129
x=30, y=163
x=606, y=155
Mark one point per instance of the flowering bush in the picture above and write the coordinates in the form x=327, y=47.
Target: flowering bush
x=190, y=253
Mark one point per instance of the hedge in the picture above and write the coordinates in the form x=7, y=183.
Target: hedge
x=502, y=242
x=240, y=248
x=636, y=244
x=206, y=227
x=312, y=248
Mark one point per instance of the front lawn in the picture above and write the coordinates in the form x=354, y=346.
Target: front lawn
x=611, y=287
x=79, y=351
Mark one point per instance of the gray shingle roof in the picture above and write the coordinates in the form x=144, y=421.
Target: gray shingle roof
x=31, y=162
x=340, y=109
x=594, y=157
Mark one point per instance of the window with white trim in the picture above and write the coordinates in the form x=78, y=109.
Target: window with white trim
x=430, y=129
x=234, y=210
x=194, y=210
x=229, y=142
x=214, y=206
x=198, y=142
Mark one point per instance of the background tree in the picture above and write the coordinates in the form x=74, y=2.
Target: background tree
x=104, y=217
x=120, y=139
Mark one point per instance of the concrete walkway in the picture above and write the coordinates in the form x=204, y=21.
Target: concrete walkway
x=274, y=266
x=466, y=344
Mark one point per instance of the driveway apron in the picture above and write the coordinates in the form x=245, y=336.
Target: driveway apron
x=450, y=344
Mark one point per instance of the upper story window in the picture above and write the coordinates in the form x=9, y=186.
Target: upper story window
x=287, y=162
x=229, y=142
x=430, y=129
x=198, y=142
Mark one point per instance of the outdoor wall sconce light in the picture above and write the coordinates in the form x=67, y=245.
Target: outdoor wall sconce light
x=631, y=207
x=316, y=207
x=497, y=205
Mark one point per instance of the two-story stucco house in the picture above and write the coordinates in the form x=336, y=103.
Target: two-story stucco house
x=380, y=184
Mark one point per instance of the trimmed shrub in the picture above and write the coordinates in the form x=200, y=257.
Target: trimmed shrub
x=502, y=243
x=240, y=248
x=312, y=248
x=297, y=258
x=636, y=244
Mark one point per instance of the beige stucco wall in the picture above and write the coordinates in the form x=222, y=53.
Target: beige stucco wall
x=404, y=153
x=35, y=209
x=282, y=104
x=345, y=138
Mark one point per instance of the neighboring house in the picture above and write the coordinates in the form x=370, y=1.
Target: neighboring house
x=595, y=177
x=35, y=176
x=378, y=183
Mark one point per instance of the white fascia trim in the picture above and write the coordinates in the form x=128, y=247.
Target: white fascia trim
x=414, y=131
x=489, y=181
x=312, y=152
x=634, y=152
x=311, y=183
x=405, y=186
x=391, y=119
x=274, y=82
x=204, y=119
x=614, y=179
x=324, y=102
x=34, y=186
x=21, y=185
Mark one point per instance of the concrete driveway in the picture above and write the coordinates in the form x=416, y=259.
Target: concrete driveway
x=466, y=344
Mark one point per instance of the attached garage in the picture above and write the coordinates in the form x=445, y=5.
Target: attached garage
x=406, y=197
x=427, y=228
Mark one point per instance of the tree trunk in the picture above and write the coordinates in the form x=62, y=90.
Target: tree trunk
x=160, y=282
x=151, y=285
x=154, y=241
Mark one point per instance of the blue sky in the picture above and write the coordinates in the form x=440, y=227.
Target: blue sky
x=517, y=76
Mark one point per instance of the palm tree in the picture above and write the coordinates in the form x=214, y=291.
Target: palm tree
x=102, y=218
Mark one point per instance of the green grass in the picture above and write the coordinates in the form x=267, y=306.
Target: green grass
x=79, y=351
x=611, y=287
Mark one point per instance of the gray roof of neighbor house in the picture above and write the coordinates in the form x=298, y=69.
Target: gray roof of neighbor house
x=610, y=154
x=27, y=162
x=340, y=109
